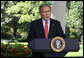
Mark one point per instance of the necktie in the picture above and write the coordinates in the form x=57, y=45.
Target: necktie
x=46, y=30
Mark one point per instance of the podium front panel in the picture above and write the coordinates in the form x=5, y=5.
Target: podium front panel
x=43, y=45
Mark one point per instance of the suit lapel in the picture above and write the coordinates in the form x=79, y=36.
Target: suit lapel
x=51, y=29
x=41, y=28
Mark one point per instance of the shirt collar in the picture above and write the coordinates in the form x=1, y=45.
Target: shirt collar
x=45, y=21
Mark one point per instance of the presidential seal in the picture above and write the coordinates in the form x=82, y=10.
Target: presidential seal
x=57, y=44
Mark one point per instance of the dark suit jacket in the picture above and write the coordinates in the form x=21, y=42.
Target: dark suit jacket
x=37, y=30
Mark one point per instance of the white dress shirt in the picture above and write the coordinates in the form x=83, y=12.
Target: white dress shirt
x=44, y=24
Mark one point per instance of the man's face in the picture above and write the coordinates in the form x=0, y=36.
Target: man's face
x=45, y=13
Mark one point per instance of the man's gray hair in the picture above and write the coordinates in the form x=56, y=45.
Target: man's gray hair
x=43, y=5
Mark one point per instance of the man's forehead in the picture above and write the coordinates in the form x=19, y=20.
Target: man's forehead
x=46, y=7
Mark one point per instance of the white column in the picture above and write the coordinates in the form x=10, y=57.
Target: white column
x=59, y=12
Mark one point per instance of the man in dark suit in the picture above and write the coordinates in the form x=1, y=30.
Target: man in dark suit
x=45, y=27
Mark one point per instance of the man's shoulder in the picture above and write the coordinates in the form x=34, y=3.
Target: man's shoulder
x=36, y=21
x=55, y=21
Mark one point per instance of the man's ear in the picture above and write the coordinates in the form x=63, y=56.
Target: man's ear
x=40, y=13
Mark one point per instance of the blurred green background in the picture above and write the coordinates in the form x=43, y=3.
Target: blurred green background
x=16, y=17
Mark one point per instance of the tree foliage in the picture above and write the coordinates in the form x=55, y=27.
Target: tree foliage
x=5, y=18
x=74, y=19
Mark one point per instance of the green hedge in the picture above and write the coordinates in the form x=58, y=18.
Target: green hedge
x=15, y=50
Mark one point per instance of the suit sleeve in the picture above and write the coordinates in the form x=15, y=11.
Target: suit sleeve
x=31, y=34
x=60, y=31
